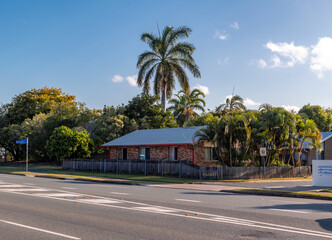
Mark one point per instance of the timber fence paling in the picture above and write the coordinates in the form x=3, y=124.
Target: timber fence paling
x=182, y=169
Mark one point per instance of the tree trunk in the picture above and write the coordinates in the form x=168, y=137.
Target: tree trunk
x=230, y=150
x=163, y=95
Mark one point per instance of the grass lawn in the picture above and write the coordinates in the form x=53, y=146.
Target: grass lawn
x=56, y=171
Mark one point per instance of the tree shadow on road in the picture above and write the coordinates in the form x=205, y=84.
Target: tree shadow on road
x=325, y=223
x=323, y=207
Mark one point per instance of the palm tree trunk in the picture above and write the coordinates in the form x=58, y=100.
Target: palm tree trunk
x=230, y=150
x=163, y=95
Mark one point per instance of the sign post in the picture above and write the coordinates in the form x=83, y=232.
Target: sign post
x=262, y=152
x=25, y=141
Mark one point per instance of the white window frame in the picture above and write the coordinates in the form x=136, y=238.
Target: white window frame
x=171, y=149
x=211, y=153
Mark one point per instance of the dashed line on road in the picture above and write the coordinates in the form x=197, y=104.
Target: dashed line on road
x=71, y=188
x=40, y=230
x=287, y=210
x=119, y=193
x=187, y=200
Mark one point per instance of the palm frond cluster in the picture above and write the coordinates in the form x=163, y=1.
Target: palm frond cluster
x=166, y=61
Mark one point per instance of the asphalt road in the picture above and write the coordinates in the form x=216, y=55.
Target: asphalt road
x=38, y=208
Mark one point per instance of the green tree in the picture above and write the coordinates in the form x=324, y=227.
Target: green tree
x=232, y=104
x=317, y=113
x=35, y=101
x=166, y=61
x=307, y=132
x=148, y=114
x=66, y=143
x=185, y=104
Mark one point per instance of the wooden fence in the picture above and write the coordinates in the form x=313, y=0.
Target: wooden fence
x=182, y=169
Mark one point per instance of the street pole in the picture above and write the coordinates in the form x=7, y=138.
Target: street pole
x=27, y=156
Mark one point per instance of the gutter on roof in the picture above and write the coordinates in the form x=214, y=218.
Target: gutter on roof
x=146, y=145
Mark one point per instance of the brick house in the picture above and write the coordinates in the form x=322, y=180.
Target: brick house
x=309, y=153
x=162, y=144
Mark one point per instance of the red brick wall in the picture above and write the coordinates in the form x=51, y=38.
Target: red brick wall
x=159, y=153
x=132, y=153
x=112, y=153
x=200, y=157
x=185, y=153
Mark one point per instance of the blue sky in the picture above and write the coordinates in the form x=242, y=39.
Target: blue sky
x=276, y=52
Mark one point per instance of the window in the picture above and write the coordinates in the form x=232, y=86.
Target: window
x=173, y=153
x=211, y=153
x=122, y=153
x=144, y=153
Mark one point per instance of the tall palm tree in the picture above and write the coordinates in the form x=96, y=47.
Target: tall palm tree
x=185, y=104
x=166, y=61
x=234, y=103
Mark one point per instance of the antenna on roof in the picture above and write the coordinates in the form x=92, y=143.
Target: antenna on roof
x=233, y=91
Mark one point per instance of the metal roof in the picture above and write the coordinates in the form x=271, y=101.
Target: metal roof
x=325, y=136
x=151, y=137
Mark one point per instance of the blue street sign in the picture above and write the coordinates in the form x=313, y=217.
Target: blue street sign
x=23, y=141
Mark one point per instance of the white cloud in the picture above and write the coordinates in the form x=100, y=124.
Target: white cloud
x=287, y=54
x=221, y=36
x=204, y=89
x=321, y=59
x=250, y=103
x=262, y=63
x=235, y=25
x=291, y=108
x=224, y=61
x=132, y=80
x=117, y=78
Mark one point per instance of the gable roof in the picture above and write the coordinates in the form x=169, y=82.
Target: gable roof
x=325, y=136
x=154, y=137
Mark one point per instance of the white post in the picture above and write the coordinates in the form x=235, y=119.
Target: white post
x=27, y=156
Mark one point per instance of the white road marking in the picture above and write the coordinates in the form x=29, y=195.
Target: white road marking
x=31, y=184
x=68, y=188
x=102, y=201
x=25, y=190
x=57, y=195
x=11, y=186
x=287, y=210
x=39, y=229
x=119, y=193
x=187, y=200
x=156, y=209
x=275, y=187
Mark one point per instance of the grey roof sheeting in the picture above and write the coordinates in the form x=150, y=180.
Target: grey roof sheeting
x=163, y=136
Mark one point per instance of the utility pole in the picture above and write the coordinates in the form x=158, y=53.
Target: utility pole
x=27, y=156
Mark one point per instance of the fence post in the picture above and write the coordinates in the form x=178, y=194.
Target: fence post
x=81, y=165
x=130, y=166
x=93, y=165
x=200, y=173
x=145, y=167
x=180, y=169
x=104, y=165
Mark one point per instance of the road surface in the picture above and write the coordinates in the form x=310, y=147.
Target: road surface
x=40, y=208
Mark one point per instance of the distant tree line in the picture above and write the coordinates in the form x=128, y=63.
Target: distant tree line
x=60, y=127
